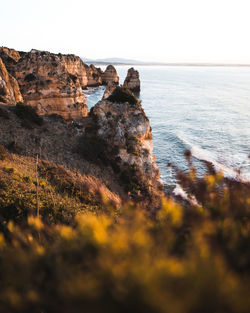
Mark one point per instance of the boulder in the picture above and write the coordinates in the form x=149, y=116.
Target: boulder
x=110, y=77
x=132, y=81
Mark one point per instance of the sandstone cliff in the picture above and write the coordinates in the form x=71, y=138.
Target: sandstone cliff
x=94, y=75
x=110, y=77
x=123, y=125
x=132, y=81
x=52, y=83
x=9, y=89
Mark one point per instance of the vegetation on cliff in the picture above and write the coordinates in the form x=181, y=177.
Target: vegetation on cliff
x=184, y=259
x=122, y=95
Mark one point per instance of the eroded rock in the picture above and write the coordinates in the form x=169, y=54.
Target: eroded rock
x=94, y=76
x=53, y=83
x=9, y=89
x=110, y=77
x=124, y=126
x=132, y=81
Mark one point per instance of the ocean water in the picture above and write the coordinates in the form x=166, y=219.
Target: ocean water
x=203, y=109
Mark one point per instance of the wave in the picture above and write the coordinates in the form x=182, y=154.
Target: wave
x=180, y=192
x=205, y=155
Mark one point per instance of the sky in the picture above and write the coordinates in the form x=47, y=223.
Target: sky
x=211, y=31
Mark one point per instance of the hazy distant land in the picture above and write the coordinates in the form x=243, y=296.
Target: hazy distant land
x=121, y=61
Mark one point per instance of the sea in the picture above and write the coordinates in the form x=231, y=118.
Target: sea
x=204, y=109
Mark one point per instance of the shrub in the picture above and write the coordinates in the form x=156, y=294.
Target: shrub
x=122, y=95
x=30, y=77
x=28, y=115
x=4, y=113
x=64, y=183
x=3, y=153
x=180, y=261
x=132, y=179
x=93, y=149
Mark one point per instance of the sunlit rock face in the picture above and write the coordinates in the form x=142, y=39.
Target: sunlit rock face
x=94, y=76
x=110, y=77
x=53, y=83
x=10, y=57
x=132, y=81
x=123, y=124
x=9, y=89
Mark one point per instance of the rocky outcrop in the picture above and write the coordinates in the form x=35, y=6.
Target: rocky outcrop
x=132, y=81
x=94, y=76
x=110, y=77
x=125, y=128
x=9, y=89
x=53, y=83
x=9, y=53
x=108, y=91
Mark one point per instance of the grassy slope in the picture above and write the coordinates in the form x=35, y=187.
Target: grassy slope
x=62, y=194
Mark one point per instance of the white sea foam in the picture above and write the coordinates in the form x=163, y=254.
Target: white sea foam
x=179, y=191
x=208, y=156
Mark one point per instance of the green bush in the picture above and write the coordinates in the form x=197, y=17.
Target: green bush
x=122, y=95
x=93, y=149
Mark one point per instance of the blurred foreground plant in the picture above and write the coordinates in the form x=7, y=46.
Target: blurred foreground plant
x=185, y=259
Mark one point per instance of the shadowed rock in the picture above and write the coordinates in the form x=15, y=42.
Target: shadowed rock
x=123, y=124
x=132, y=81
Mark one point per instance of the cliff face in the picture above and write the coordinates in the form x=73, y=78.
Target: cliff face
x=94, y=75
x=53, y=83
x=108, y=91
x=132, y=81
x=123, y=125
x=9, y=89
x=9, y=53
x=110, y=77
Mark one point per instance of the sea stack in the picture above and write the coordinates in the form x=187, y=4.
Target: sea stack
x=132, y=81
x=110, y=77
x=124, y=126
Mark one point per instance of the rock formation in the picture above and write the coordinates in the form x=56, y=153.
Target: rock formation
x=9, y=89
x=94, y=76
x=123, y=125
x=108, y=91
x=52, y=83
x=110, y=77
x=132, y=81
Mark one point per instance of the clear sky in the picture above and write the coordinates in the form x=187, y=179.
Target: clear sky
x=157, y=30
